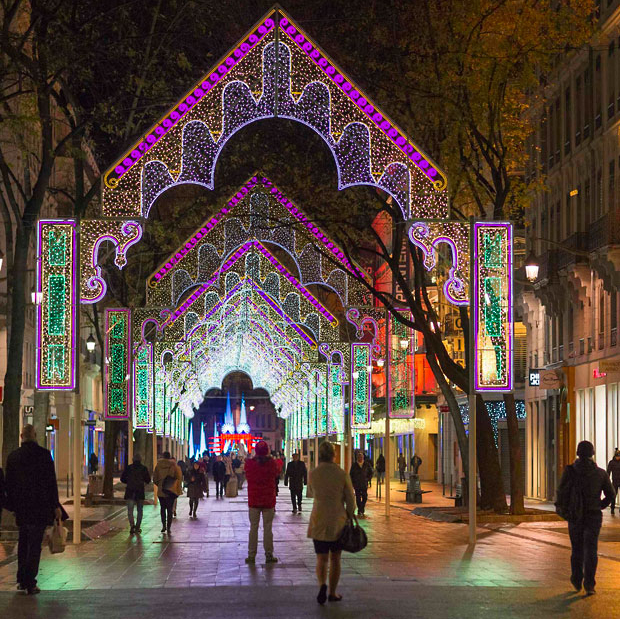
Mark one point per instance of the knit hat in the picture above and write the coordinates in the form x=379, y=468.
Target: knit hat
x=585, y=449
x=262, y=449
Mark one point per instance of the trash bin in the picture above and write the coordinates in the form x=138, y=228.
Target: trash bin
x=95, y=484
x=414, y=491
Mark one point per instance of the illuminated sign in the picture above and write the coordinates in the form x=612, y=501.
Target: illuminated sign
x=117, y=345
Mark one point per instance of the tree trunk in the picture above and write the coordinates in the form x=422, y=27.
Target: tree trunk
x=112, y=429
x=41, y=414
x=11, y=409
x=492, y=494
x=516, y=468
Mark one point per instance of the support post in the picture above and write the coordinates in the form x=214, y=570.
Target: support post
x=316, y=451
x=129, y=440
x=154, y=461
x=77, y=462
x=387, y=454
x=473, y=486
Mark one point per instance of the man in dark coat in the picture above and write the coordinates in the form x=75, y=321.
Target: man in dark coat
x=136, y=476
x=579, y=496
x=296, y=477
x=359, y=477
x=219, y=477
x=93, y=463
x=416, y=462
x=613, y=470
x=32, y=493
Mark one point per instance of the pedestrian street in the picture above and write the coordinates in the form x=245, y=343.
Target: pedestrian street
x=425, y=567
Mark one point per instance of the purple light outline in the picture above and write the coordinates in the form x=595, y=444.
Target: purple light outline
x=400, y=141
x=263, y=28
x=149, y=415
x=354, y=381
x=388, y=367
x=509, y=382
x=97, y=279
x=127, y=313
x=73, y=279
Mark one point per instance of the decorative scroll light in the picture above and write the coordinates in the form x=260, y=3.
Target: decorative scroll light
x=360, y=385
x=117, y=352
x=56, y=319
x=123, y=234
x=493, y=306
x=401, y=402
x=428, y=236
x=336, y=399
x=268, y=77
x=142, y=386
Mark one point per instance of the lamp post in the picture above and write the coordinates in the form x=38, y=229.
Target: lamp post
x=531, y=267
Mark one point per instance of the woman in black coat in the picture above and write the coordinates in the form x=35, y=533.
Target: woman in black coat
x=196, y=486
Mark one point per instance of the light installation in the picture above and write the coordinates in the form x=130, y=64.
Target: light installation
x=275, y=71
x=203, y=441
x=142, y=387
x=190, y=441
x=400, y=365
x=117, y=353
x=493, y=306
x=361, y=385
x=227, y=299
x=56, y=314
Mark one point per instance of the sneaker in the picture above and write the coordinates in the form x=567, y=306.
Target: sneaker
x=163, y=529
x=590, y=591
x=35, y=590
x=576, y=584
x=21, y=587
x=250, y=560
x=271, y=559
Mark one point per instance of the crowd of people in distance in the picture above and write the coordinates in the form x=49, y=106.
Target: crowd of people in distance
x=30, y=491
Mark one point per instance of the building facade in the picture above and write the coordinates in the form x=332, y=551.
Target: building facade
x=571, y=312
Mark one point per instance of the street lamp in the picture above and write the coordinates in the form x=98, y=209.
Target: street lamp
x=90, y=343
x=531, y=267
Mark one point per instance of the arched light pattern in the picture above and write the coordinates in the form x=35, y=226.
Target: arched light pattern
x=275, y=71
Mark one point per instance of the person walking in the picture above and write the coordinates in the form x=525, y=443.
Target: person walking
x=32, y=494
x=402, y=465
x=219, y=477
x=196, y=486
x=167, y=477
x=93, y=463
x=296, y=477
x=380, y=468
x=136, y=476
x=416, y=462
x=260, y=472
x=333, y=505
x=238, y=467
x=613, y=470
x=359, y=477
x=579, y=501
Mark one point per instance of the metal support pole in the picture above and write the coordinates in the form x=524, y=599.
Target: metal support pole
x=316, y=451
x=77, y=464
x=473, y=486
x=129, y=440
x=387, y=454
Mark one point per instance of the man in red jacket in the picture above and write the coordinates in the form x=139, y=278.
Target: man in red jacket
x=260, y=473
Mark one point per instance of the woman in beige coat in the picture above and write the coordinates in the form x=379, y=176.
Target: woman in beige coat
x=332, y=490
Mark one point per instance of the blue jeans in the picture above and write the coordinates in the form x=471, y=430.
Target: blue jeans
x=139, y=504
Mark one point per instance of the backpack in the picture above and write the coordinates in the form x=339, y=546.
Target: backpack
x=569, y=503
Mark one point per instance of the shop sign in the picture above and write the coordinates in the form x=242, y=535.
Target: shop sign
x=549, y=379
x=534, y=378
x=609, y=365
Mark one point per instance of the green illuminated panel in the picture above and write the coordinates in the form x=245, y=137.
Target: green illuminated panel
x=492, y=306
x=57, y=255
x=57, y=305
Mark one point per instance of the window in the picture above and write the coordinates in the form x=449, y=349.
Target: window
x=613, y=317
x=567, y=121
x=597, y=92
x=551, y=128
x=543, y=144
x=610, y=78
x=611, y=197
x=578, y=111
x=570, y=325
x=599, y=193
x=601, y=318
x=557, y=130
x=587, y=93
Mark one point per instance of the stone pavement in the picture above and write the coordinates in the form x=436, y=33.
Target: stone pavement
x=412, y=567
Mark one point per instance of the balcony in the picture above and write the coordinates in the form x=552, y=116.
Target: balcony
x=614, y=337
x=576, y=242
x=605, y=231
x=548, y=264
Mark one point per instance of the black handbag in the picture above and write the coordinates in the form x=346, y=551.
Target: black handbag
x=353, y=538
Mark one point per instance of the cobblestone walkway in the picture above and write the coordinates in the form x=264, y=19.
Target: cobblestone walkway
x=411, y=565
